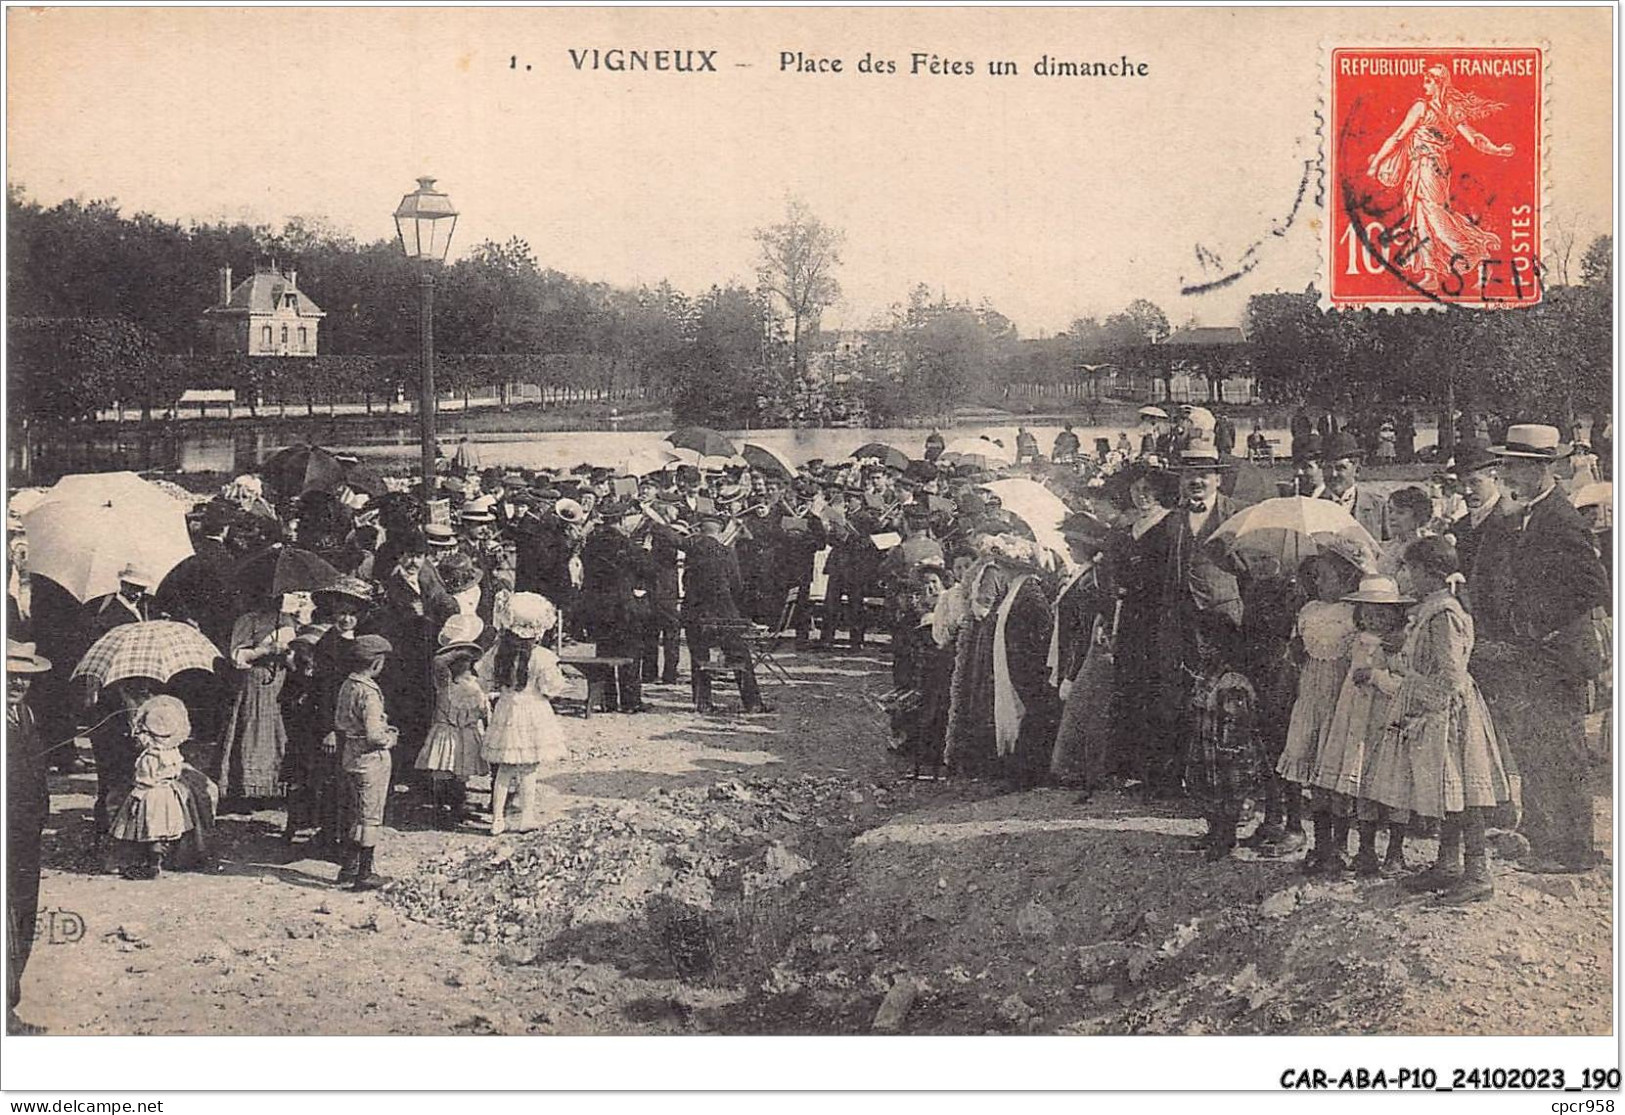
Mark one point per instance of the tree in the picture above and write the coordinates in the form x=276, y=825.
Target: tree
x=1149, y=319
x=1597, y=265
x=66, y=369
x=719, y=376
x=796, y=264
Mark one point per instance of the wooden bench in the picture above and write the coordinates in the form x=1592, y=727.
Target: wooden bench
x=601, y=674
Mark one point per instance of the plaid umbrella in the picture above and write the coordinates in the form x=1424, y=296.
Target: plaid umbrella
x=278, y=569
x=157, y=649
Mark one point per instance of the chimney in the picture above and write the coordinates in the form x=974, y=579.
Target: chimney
x=225, y=285
x=293, y=279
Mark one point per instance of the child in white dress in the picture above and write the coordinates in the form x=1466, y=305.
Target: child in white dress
x=1323, y=638
x=451, y=751
x=171, y=799
x=523, y=732
x=1361, y=719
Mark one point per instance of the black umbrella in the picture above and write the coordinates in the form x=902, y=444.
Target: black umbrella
x=887, y=455
x=299, y=468
x=702, y=440
x=280, y=568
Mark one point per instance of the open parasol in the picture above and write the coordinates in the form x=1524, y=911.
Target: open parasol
x=979, y=452
x=888, y=455
x=89, y=526
x=1292, y=528
x=765, y=460
x=1037, y=506
x=279, y=568
x=702, y=440
x=650, y=459
x=1152, y=412
x=157, y=649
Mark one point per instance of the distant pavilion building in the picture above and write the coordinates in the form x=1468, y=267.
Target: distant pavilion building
x=264, y=315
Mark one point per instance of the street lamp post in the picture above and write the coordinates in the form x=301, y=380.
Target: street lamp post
x=425, y=220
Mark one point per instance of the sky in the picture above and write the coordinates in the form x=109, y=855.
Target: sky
x=1050, y=197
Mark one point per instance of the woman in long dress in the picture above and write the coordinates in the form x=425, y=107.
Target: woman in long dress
x=1442, y=243
x=256, y=739
x=1144, y=495
x=1002, y=719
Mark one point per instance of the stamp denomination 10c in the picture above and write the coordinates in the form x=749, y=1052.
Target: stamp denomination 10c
x=1434, y=157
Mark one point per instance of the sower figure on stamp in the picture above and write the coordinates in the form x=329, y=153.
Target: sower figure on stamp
x=1544, y=636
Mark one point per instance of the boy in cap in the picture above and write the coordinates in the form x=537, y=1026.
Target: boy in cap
x=368, y=738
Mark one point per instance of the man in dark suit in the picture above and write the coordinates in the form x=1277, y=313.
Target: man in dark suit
x=614, y=603
x=662, y=636
x=711, y=603
x=1340, y=462
x=132, y=603
x=28, y=807
x=203, y=587
x=803, y=536
x=1531, y=653
x=1188, y=575
x=854, y=566
x=1487, y=528
x=544, y=547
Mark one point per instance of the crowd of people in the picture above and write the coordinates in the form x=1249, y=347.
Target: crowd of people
x=1408, y=678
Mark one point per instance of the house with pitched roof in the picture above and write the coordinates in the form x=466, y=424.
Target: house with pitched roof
x=264, y=315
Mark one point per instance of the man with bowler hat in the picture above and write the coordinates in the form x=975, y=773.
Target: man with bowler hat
x=1340, y=461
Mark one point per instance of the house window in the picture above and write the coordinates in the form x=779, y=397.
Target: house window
x=304, y=339
x=265, y=337
x=284, y=334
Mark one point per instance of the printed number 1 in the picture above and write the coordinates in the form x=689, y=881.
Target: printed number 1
x=1359, y=254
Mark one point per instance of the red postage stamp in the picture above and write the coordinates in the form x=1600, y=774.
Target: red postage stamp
x=1435, y=176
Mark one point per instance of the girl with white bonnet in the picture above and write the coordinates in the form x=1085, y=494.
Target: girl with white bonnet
x=171, y=799
x=523, y=732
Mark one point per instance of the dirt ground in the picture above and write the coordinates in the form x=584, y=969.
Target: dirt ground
x=780, y=874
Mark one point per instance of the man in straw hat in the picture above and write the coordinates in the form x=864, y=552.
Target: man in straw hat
x=132, y=603
x=367, y=741
x=1173, y=547
x=1541, y=641
x=1340, y=458
x=27, y=807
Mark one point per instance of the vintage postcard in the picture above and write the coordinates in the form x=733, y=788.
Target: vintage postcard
x=892, y=523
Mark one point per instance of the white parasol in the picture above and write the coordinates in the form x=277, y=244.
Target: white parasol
x=1038, y=507
x=90, y=526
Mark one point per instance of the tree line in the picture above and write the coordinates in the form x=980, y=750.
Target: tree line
x=106, y=308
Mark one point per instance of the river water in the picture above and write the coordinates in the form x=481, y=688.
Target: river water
x=178, y=449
